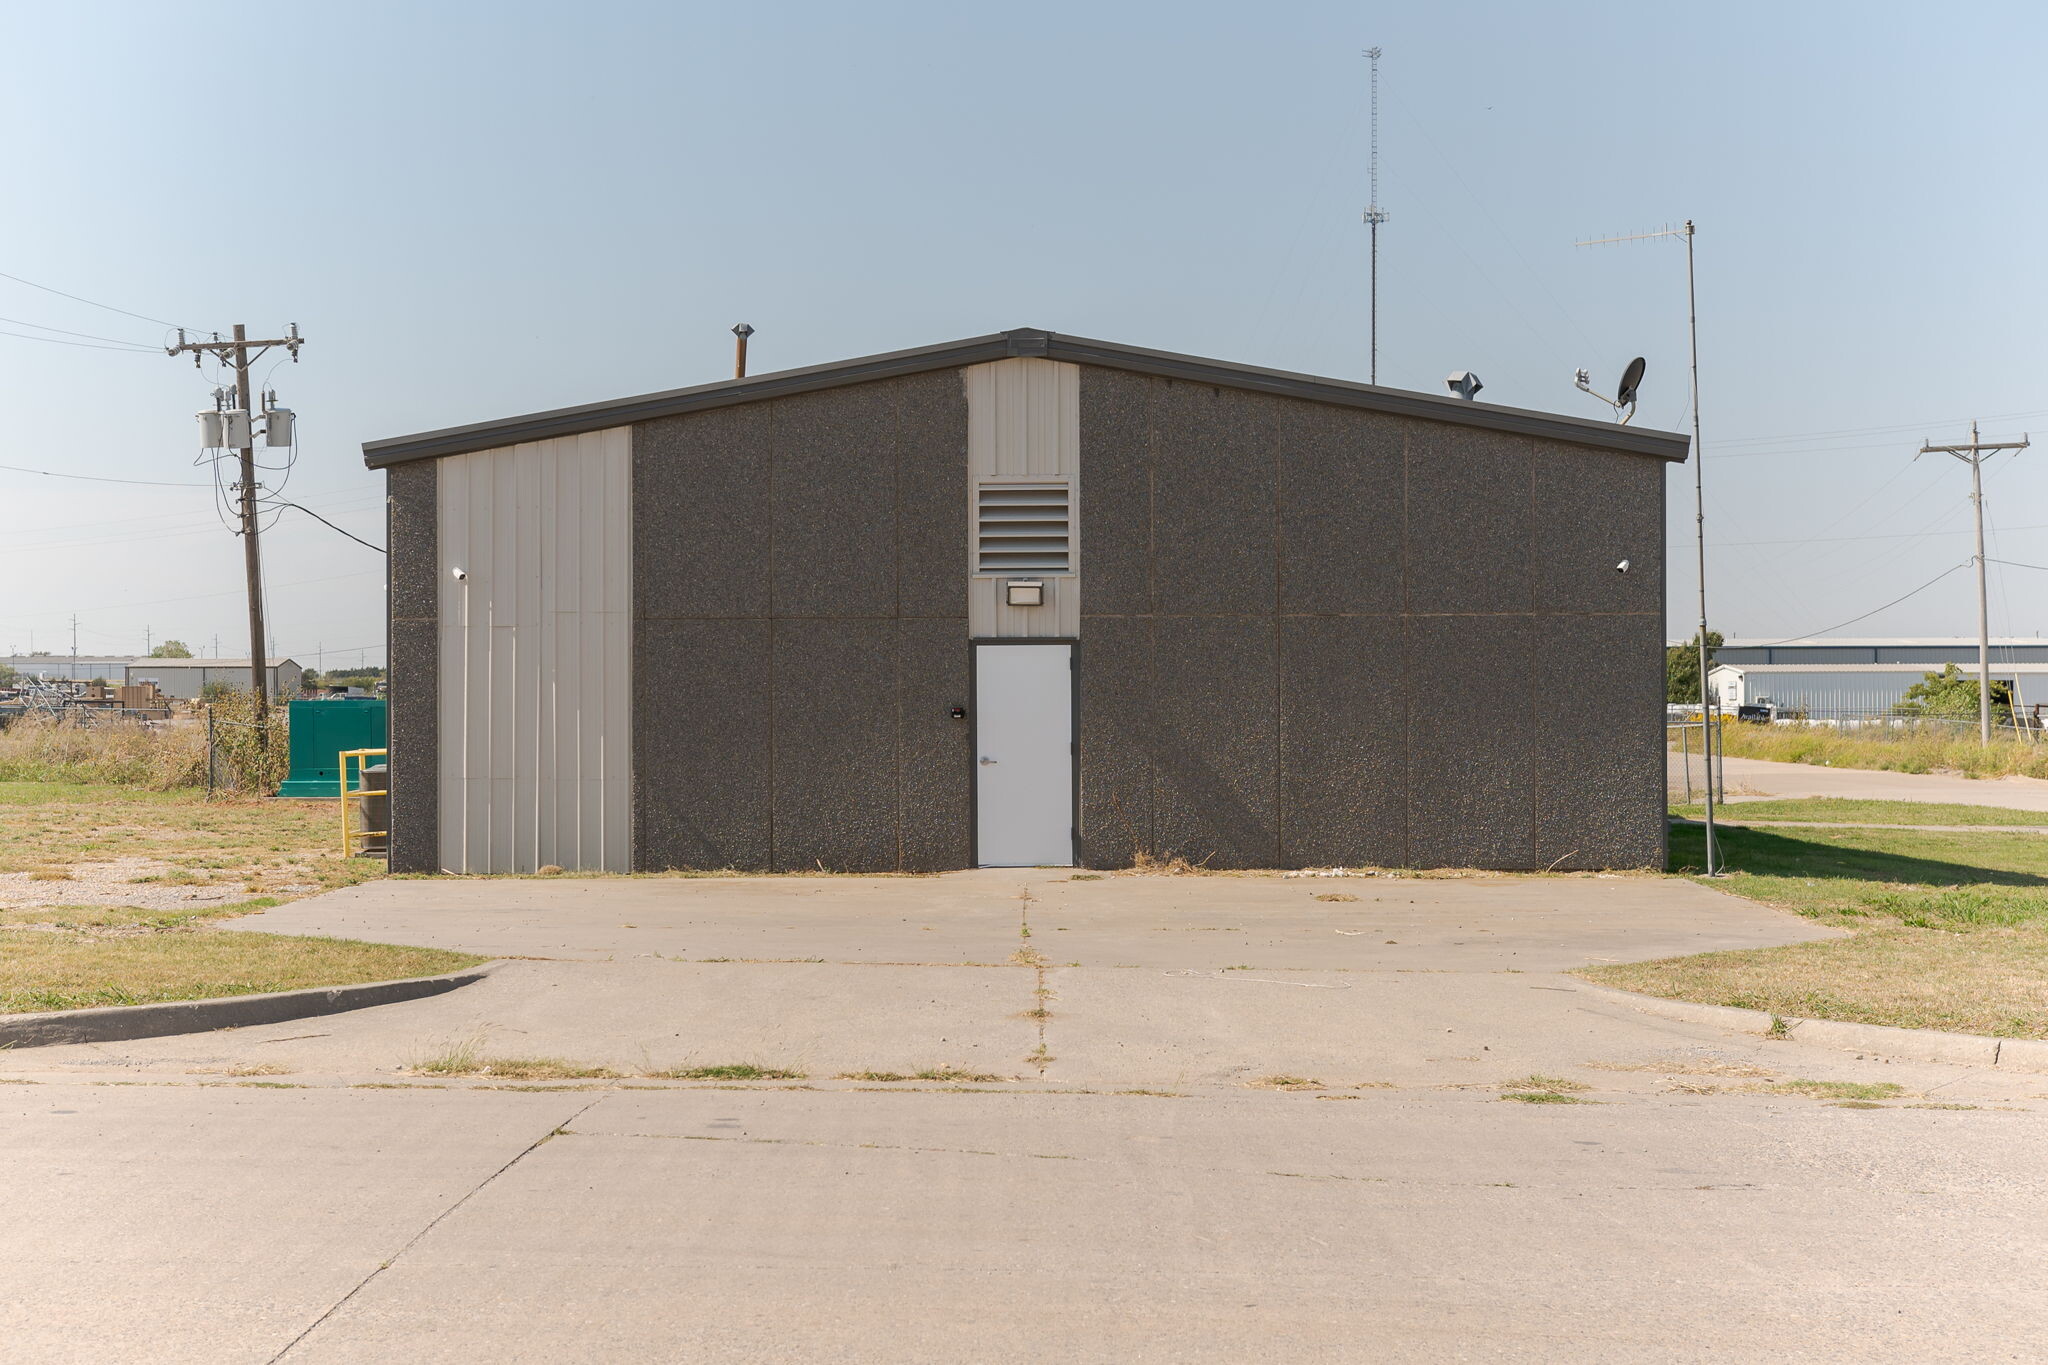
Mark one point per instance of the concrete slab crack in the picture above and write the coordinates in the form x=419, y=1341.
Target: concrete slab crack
x=432, y=1223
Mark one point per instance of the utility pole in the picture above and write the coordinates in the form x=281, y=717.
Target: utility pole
x=252, y=554
x=1374, y=216
x=74, y=646
x=1973, y=455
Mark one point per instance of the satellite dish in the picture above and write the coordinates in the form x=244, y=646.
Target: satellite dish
x=1631, y=380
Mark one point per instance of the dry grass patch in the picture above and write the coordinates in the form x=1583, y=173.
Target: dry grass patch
x=1908, y=749
x=1993, y=982
x=464, y=1059
x=1542, y=1082
x=1544, y=1097
x=1285, y=1083
x=1837, y=1090
x=160, y=757
x=284, y=849
x=243, y=1069
x=56, y=970
x=730, y=1071
x=933, y=1073
x=1949, y=930
x=1688, y=1067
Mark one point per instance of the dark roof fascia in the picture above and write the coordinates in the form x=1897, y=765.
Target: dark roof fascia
x=542, y=426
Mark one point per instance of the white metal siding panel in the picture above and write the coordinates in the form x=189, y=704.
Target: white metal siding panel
x=1024, y=426
x=535, y=701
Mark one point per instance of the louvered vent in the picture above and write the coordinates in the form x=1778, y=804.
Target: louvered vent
x=1022, y=529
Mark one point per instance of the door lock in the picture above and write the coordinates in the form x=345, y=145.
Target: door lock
x=986, y=761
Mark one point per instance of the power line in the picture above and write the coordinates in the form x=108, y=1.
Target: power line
x=328, y=524
x=89, y=336
x=1898, y=535
x=86, y=345
x=79, y=298
x=201, y=596
x=1813, y=634
x=99, y=478
x=1871, y=431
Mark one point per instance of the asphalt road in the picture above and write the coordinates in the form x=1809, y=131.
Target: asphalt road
x=1127, y=1193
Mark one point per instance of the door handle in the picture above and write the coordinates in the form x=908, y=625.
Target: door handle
x=987, y=762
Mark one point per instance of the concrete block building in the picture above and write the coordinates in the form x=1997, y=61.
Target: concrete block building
x=1027, y=599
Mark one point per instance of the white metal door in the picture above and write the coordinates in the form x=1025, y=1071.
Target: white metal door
x=1024, y=759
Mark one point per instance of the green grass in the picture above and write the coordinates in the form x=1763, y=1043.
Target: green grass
x=1843, y=810
x=1948, y=929
x=1927, y=878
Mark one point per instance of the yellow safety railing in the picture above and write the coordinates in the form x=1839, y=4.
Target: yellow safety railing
x=349, y=833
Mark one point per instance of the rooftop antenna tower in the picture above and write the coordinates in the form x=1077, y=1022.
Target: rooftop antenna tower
x=1699, y=495
x=1375, y=215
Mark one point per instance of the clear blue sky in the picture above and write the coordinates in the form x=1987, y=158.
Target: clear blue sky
x=474, y=210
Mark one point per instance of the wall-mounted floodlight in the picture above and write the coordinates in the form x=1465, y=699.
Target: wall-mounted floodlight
x=1625, y=396
x=1465, y=384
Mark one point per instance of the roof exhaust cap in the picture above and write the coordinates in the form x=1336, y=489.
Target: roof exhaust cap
x=1465, y=384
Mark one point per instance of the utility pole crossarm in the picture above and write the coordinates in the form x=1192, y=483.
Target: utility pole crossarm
x=242, y=352
x=1973, y=455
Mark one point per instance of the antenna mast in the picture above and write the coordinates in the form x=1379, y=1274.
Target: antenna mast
x=1375, y=215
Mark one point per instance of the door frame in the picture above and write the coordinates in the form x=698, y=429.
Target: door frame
x=974, y=645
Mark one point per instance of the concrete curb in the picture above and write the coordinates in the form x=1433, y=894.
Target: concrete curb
x=123, y=1022
x=1905, y=1044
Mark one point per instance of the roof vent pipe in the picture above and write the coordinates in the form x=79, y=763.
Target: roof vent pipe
x=739, y=350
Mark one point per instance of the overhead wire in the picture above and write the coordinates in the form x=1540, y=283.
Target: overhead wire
x=198, y=596
x=89, y=336
x=80, y=298
x=97, y=478
x=1815, y=634
x=85, y=345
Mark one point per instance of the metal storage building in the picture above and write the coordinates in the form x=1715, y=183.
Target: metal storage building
x=1027, y=599
x=1833, y=691
x=191, y=677
x=1931, y=651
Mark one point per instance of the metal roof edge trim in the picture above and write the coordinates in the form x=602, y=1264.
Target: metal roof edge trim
x=1031, y=342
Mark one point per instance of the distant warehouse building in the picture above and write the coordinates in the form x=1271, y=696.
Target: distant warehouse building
x=191, y=677
x=174, y=677
x=1021, y=600
x=110, y=668
x=1850, y=691
x=1837, y=679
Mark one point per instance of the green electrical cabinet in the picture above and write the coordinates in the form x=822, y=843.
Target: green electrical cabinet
x=321, y=730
